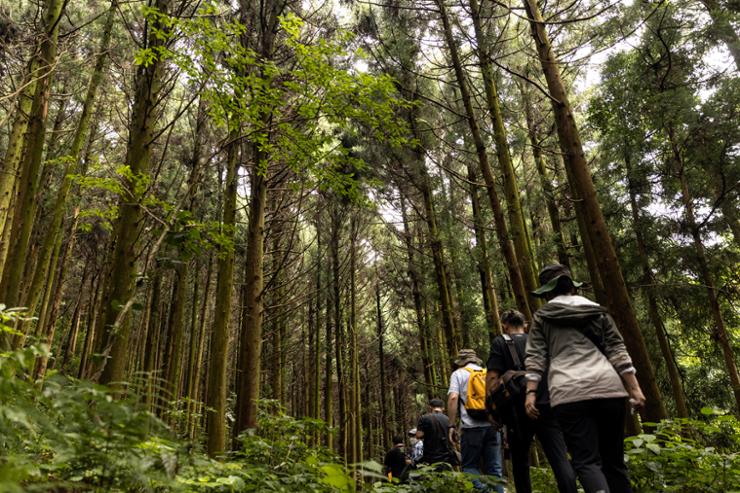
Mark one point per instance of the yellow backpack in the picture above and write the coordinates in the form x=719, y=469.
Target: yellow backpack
x=475, y=404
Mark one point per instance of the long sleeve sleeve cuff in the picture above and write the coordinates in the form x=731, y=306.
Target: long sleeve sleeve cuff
x=533, y=377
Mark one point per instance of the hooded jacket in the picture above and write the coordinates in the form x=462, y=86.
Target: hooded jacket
x=578, y=342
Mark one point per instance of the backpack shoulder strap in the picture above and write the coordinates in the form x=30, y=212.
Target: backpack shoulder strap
x=513, y=352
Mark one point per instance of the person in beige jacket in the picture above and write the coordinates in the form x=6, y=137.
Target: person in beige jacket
x=590, y=378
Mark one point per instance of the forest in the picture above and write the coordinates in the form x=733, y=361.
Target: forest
x=242, y=242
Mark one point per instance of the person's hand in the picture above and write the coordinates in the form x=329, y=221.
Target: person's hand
x=452, y=436
x=637, y=398
x=530, y=407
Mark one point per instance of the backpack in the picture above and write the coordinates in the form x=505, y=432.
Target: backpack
x=475, y=403
x=510, y=389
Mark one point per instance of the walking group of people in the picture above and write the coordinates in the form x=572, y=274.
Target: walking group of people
x=568, y=381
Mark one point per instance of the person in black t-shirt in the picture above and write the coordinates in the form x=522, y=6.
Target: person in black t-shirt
x=396, y=462
x=433, y=428
x=520, y=429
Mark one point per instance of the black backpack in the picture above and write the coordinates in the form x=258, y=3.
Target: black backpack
x=510, y=389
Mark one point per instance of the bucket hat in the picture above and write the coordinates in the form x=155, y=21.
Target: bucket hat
x=549, y=278
x=465, y=356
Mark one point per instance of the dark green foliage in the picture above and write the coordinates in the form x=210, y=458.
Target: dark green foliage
x=67, y=434
x=63, y=433
x=686, y=455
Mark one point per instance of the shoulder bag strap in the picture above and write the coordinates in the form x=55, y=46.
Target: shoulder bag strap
x=513, y=352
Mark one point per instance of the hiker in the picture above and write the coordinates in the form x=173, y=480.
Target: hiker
x=576, y=343
x=480, y=442
x=396, y=462
x=508, y=355
x=417, y=446
x=432, y=428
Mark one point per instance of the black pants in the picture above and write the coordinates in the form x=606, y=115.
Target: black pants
x=594, y=433
x=521, y=432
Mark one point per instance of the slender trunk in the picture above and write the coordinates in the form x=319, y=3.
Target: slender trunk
x=90, y=334
x=719, y=330
x=217, y=382
x=316, y=355
x=435, y=244
x=505, y=244
x=129, y=227
x=196, y=403
x=547, y=188
x=490, y=301
x=12, y=158
x=355, y=421
x=26, y=201
x=423, y=328
x=620, y=304
x=336, y=218
x=648, y=280
x=250, y=349
x=386, y=433
x=517, y=223
x=50, y=310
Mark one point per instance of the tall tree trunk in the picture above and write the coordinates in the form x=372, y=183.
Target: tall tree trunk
x=502, y=231
x=619, y=301
x=51, y=239
x=250, y=347
x=435, y=242
x=26, y=201
x=218, y=354
x=490, y=301
x=386, y=430
x=174, y=364
x=652, y=299
x=355, y=435
x=120, y=283
x=339, y=342
x=12, y=158
x=719, y=331
x=547, y=188
x=424, y=342
x=517, y=223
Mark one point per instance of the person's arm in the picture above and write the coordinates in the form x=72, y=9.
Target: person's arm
x=637, y=398
x=537, y=361
x=453, y=399
x=617, y=354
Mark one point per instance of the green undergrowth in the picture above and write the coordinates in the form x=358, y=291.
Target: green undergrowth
x=69, y=435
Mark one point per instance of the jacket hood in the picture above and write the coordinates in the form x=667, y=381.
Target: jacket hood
x=573, y=311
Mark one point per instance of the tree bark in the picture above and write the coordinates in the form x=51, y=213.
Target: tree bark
x=651, y=294
x=517, y=223
x=619, y=301
x=426, y=358
x=218, y=354
x=51, y=239
x=26, y=201
x=547, y=188
x=719, y=331
x=490, y=301
x=502, y=231
x=120, y=283
x=12, y=158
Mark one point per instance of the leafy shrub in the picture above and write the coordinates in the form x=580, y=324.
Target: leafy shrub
x=68, y=434
x=62, y=434
x=687, y=455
